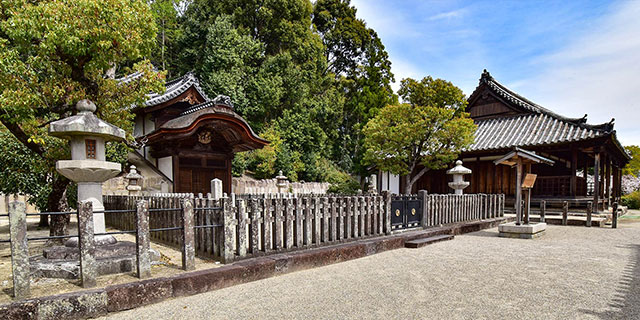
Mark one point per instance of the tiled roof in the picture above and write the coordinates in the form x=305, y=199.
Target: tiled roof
x=175, y=88
x=529, y=130
x=535, y=126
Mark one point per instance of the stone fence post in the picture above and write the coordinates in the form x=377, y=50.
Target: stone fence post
x=565, y=213
x=87, y=245
x=386, y=196
x=188, y=236
x=229, y=227
x=614, y=217
x=422, y=195
x=19, y=249
x=142, y=239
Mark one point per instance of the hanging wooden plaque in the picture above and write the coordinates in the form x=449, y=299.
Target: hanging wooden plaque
x=529, y=181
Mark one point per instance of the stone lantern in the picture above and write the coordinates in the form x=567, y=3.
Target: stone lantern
x=134, y=181
x=458, y=173
x=88, y=167
x=281, y=182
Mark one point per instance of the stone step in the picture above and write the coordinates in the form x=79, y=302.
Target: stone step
x=418, y=243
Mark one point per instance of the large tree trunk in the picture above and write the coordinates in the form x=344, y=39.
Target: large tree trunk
x=409, y=181
x=57, y=202
x=44, y=221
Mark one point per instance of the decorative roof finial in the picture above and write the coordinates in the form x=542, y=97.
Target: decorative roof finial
x=86, y=106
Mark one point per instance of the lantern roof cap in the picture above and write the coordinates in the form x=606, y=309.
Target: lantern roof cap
x=459, y=169
x=85, y=123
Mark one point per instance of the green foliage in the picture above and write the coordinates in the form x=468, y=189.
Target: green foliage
x=404, y=136
x=633, y=167
x=358, y=60
x=432, y=92
x=632, y=200
x=169, y=30
x=341, y=182
x=55, y=53
x=23, y=172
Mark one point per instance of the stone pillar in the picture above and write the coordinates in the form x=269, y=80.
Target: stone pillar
x=614, y=216
x=143, y=246
x=86, y=243
x=565, y=213
x=422, y=195
x=216, y=189
x=543, y=209
x=589, y=208
x=19, y=250
x=188, y=237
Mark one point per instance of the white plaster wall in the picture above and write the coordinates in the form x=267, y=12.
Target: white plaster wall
x=149, y=125
x=390, y=182
x=137, y=127
x=165, y=165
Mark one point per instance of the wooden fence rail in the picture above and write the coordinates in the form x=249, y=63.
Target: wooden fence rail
x=443, y=209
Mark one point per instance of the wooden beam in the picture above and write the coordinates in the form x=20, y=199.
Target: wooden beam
x=596, y=182
x=519, y=192
x=574, y=169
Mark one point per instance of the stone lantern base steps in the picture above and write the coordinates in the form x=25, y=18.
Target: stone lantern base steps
x=523, y=231
x=63, y=261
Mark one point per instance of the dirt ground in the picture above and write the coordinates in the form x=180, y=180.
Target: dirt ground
x=170, y=263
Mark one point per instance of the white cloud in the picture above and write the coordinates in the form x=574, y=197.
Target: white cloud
x=453, y=14
x=596, y=73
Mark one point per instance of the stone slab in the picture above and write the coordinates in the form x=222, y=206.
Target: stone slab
x=75, y=305
x=531, y=228
x=419, y=243
x=135, y=294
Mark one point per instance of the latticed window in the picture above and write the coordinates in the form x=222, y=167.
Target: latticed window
x=90, y=147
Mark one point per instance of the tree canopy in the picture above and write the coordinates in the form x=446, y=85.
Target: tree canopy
x=55, y=53
x=633, y=167
x=409, y=139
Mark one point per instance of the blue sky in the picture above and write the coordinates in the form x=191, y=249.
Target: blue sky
x=573, y=57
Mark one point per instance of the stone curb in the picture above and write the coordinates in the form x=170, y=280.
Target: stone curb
x=99, y=302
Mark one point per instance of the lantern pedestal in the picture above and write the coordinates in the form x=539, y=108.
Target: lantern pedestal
x=523, y=231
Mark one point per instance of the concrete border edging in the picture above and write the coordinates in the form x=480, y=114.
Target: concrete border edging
x=115, y=298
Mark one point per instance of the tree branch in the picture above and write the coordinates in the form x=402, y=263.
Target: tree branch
x=22, y=137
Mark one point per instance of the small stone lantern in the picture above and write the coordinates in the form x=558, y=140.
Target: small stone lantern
x=135, y=181
x=88, y=167
x=458, y=173
x=281, y=182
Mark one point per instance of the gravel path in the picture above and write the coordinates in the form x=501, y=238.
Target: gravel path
x=570, y=273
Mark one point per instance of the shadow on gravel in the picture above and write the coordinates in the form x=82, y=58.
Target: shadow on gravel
x=483, y=233
x=626, y=302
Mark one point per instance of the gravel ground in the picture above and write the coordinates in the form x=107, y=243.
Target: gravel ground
x=569, y=273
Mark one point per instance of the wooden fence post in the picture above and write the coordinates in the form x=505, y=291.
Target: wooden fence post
x=19, y=250
x=565, y=213
x=589, y=208
x=188, y=236
x=86, y=244
x=614, y=217
x=543, y=209
x=142, y=240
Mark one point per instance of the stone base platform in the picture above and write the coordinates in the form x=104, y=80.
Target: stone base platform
x=63, y=262
x=523, y=231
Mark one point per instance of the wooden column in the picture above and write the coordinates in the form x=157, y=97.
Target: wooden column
x=596, y=182
x=574, y=169
x=527, y=198
x=585, y=173
x=519, y=192
x=607, y=188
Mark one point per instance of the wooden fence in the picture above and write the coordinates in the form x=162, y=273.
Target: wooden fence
x=259, y=225
x=165, y=212
x=443, y=209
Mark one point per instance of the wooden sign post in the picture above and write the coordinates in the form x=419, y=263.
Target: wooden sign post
x=527, y=185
